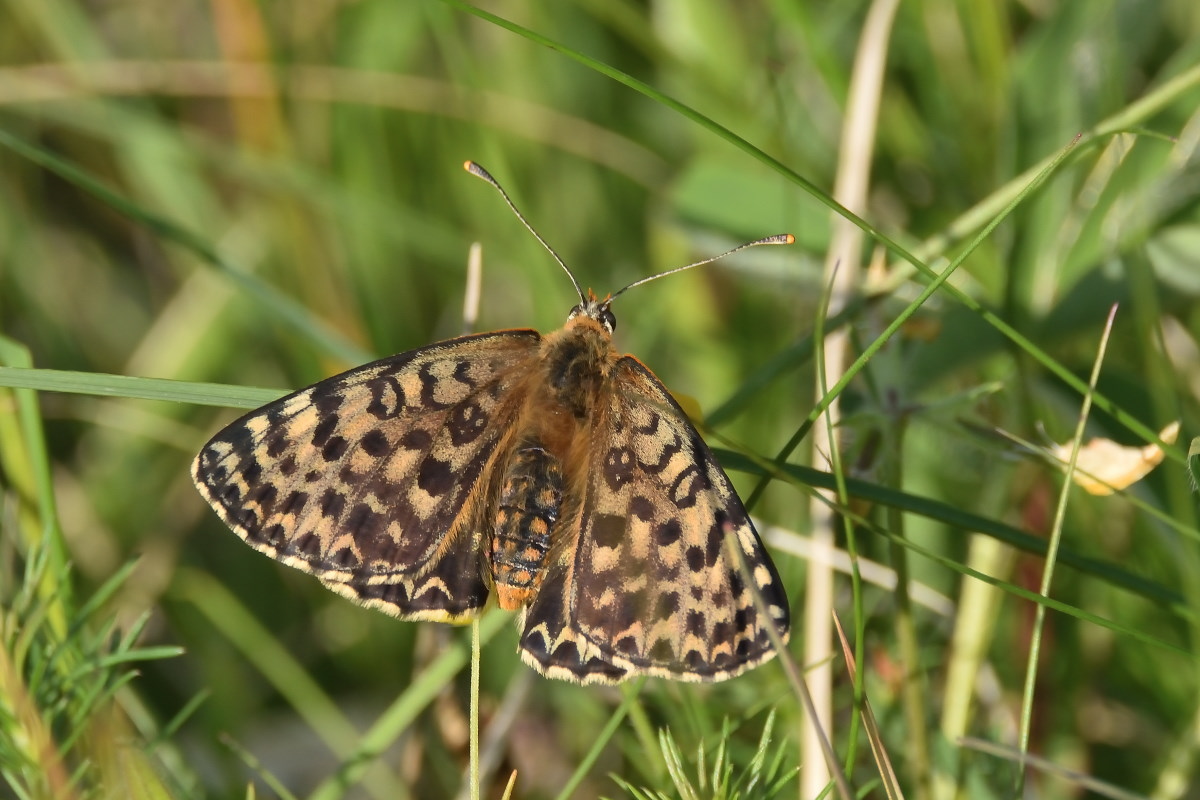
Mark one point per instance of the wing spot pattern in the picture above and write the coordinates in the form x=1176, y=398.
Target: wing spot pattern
x=609, y=530
x=334, y=448
x=324, y=430
x=668, y=533
x=375, y=443
x=332, y=503
x=387, y=398
x=435, y=477
x=618, y=467
x=467, y=423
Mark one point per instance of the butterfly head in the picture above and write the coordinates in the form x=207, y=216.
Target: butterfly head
x=595, y=309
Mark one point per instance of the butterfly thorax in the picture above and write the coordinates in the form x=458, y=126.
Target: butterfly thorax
x=576, y=360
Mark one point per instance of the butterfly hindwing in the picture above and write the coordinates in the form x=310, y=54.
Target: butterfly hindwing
x=652, y=584
x=374, y=479
x=553, y=645
x=451, y=589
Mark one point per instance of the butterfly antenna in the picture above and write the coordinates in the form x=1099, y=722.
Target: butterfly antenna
x=780, y=238
x=480, y=172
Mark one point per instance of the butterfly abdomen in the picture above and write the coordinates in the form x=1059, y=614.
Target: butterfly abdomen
x=528, y=507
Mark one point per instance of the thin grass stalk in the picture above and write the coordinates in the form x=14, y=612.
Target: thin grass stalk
x=474, y=710
x=842, y=274
x=915, y=690
x=1060, y=513
x=841, y=496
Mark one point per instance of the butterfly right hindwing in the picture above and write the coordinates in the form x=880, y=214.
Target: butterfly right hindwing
x=376, y=476
x=653, y=585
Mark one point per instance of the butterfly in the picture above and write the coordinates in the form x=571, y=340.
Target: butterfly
x=546, y=470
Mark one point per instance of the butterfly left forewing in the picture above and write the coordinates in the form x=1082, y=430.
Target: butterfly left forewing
x=652, y=584
x=374, y=480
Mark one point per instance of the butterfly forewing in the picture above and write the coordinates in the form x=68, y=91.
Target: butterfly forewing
x=377, y=476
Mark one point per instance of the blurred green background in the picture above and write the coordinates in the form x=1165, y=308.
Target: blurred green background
x=260, y=194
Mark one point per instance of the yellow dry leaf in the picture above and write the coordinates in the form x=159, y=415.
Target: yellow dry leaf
x=1105, y=466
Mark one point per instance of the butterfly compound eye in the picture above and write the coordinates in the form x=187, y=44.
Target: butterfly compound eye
x=608, y=320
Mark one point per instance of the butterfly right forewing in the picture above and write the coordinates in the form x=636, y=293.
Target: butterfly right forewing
x=375, y=479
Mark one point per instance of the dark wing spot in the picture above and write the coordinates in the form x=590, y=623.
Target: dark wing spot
x=344, y=559
x=387, y=398
x=294, y=502
x=216, y=474
x=308, y=545
x=695, y=558
x=272, y=534
x=277, y=444
x=462, y=373
x=416, y=439
x=651, y=426
x=566, y=653
x=608, y=530
x=632, y=609
x=668, y=533
x=668, y=453
x=618, y=467
x=362, y=522
x=662, y=651
x=742, y=619
x=713, y=550
x=334, y=449
x=375, y=444
x=252, y=472
x=394, y=594
x=668, y=605
x=324, y=430
x=328, y=401
x=467, y=422
x=265, y=495
x=430, y=383
x=435, y=476
x=641, y=508
x=332, y=503
x=687, y=486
